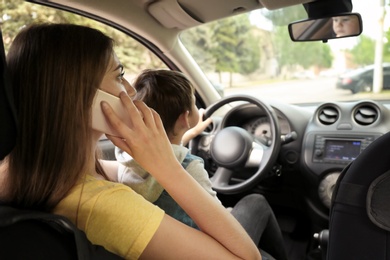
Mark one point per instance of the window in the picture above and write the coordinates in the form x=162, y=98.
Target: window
x=134, y=56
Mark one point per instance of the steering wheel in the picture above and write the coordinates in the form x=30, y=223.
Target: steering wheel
x=233, y=148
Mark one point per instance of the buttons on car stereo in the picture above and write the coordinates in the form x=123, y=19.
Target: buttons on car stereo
x=339, y=149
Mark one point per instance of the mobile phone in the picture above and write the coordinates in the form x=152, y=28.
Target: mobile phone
x=99, y=121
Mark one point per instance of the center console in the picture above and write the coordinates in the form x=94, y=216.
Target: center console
x=326, y=154
x=334, y=149
x=324, y=151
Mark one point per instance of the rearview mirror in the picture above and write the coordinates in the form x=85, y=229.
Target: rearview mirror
x=338, y=26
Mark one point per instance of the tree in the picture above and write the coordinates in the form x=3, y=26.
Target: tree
x=363, y=52
x=224, y=53
x=132, y=54
x=228, y=45
x=248, y=53
x=199, y=43
x=248, y=46
x=238, y=49
x=305, y=54
x=386, y=47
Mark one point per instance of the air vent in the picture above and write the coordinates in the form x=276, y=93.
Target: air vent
x=366, y=115
x=328, y=115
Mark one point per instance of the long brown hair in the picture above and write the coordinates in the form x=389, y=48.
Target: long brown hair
x=55, y=71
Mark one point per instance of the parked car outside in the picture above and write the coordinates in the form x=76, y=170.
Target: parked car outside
x=361, y=79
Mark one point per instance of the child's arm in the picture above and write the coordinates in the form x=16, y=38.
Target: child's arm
x=127, y=171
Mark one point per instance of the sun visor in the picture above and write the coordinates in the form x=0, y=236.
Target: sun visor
x=171, y=15
x=184, y=14
x=272, y=4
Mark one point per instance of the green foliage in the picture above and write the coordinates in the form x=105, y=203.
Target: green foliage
x=228, y=45
x=18, y=13
x=305, y=54
x=249, y=54
x=198, y=42
x=238, y=50
x=235, y=45
x=224, y=53
x=363, y=53
x=386, y=48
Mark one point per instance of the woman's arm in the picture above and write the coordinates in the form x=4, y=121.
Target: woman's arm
x=146, y=141
x=222, y=238
x=198, y=172
x=185, y=243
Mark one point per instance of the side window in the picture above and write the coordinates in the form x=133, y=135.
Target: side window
x=134, y=56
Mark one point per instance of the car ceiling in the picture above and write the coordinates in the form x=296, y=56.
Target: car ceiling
x=179, y=14
x=162, y=20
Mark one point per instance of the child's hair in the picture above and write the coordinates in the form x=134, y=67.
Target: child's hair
x=168, y=92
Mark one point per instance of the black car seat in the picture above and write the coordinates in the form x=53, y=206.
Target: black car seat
x=359, y=226
x=32, y=234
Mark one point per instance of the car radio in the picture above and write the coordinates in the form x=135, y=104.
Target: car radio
x=337, y=149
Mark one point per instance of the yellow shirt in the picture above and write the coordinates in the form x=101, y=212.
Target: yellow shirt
x=112, y=215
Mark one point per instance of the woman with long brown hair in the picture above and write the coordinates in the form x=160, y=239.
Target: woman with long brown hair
x=56, y=70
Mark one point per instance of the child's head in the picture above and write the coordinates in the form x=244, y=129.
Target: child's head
x=171, y=94
x=346, y=25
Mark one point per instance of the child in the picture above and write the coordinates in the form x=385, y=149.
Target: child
x=171, y=94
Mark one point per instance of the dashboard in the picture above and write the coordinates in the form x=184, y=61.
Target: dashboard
x=261, y=126
x=327, y=137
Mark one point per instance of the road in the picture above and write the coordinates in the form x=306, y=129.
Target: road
x=296, y=91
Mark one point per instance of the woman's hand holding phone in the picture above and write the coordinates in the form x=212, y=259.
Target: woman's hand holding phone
x=143, y=137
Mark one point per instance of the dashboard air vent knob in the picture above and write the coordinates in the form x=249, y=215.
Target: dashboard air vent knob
x=366, y=115
x=328, y=115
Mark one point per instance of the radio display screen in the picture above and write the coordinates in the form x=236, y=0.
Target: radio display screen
x=342, y=150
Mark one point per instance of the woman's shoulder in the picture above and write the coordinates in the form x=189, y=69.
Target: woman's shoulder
x=94, y=188
x=107, y=212
x=91, y=192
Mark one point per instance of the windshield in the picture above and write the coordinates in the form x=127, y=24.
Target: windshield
x=253, y=54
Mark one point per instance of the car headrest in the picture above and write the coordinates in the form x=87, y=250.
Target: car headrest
x=378, y=194
x=8, y=129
